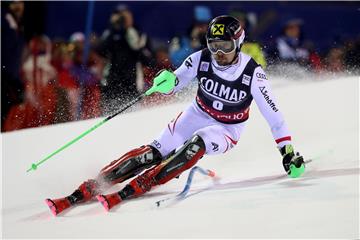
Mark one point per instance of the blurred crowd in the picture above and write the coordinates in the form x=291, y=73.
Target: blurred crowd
x=46, y=81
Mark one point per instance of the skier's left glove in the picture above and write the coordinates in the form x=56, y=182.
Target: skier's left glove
x=293, y=162
x=164, y=82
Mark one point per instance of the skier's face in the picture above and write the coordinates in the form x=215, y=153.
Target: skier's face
x=224, y=59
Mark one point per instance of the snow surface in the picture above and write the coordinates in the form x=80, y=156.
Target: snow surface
x=253, y=199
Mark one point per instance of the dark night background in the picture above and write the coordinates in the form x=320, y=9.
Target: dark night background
x=324, y=22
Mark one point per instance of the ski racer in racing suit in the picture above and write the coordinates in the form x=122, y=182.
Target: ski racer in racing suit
x=228, y=81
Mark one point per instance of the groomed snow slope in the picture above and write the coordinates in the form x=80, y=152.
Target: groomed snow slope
x=254, y=199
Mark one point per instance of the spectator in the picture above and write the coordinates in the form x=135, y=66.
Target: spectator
x=181, y=47
x=352, y=54
x=12, y=43
x=39, y=77
x=86, y=74
x=335, y=60
x=92, y=95
x=68, y=87
x=290, y=44
x=121, y=43
x=315, y=62
x=162, y=62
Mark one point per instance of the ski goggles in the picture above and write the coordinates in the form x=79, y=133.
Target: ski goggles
x=225, y=47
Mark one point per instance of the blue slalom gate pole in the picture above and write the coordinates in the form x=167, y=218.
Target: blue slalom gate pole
x=186, y=189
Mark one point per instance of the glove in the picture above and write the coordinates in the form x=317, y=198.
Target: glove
x=293, y=162
x=164, y=82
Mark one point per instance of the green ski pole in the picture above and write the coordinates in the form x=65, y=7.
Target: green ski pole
x=166, y=82
x=34, y=166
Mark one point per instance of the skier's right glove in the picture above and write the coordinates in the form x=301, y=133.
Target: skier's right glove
x=293, y=162
x=164, y=82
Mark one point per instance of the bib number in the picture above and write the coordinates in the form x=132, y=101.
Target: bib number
x=218, y=105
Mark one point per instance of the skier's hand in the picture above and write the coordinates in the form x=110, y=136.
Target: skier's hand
x=293, y=162
x=164, y=82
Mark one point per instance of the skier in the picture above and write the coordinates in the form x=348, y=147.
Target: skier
x=228, y=82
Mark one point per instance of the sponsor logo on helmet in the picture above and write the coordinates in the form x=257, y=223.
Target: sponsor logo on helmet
x=238, y=33
x=221, y=91
x=236, y=30
x=218, y=29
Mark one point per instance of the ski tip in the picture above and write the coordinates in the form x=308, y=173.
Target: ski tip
x=103, y=201
x=52, y=206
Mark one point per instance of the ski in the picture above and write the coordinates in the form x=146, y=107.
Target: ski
x=110, y=200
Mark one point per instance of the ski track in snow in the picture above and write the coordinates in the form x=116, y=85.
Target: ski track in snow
x=252, y=198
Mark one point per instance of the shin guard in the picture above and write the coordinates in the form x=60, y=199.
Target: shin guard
x=130, y=164
x=183, y=159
